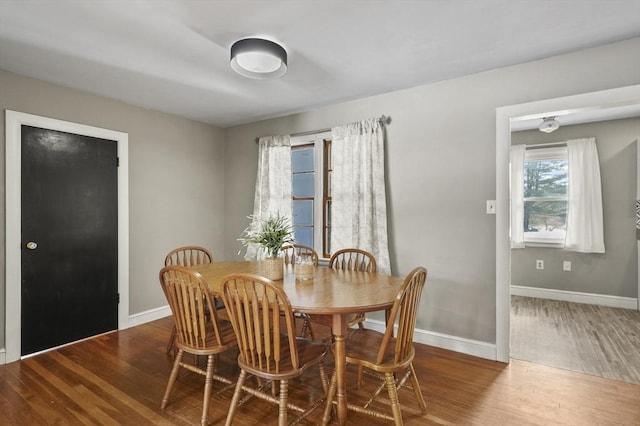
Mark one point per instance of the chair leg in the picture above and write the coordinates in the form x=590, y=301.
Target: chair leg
x=323, y=377
x=282, y=410
x=361, y=319
x=330, y=395
x=416, y=388
x=236, y=397
x=393, y=398
x=307, y=329
x=172, y=378
x=208, y=384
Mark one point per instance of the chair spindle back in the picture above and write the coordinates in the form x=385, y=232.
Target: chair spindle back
x=405, y=310
x=262, y=318
x=291, y=251
x=192, y=306
x=352, y=259
x=188, y=256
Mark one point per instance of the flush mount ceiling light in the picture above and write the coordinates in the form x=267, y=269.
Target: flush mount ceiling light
x=258, y=58
x=548, y=125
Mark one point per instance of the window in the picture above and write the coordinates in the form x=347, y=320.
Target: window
x=311, y=194
x=545, y=196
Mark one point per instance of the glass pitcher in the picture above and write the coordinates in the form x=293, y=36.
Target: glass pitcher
x=303, y=267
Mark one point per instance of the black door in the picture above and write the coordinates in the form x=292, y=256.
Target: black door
x=69, y=238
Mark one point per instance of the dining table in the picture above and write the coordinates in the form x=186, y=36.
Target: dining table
x=332, y=293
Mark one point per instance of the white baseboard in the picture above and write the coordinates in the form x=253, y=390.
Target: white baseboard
x=452, y=343
x=445, y=341
x=3, y=356
x=576, y=297
x=148, y=316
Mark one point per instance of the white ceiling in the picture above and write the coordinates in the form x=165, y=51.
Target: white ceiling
x=173, y=55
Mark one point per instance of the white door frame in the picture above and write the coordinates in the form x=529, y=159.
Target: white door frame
x=13, y=138
x=539, y=109
x=638, y=201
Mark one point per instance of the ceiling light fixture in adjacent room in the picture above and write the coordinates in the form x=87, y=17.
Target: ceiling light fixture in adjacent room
x=258, y=58
x=548, y=124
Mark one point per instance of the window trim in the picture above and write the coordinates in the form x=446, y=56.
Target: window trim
x=327, y=198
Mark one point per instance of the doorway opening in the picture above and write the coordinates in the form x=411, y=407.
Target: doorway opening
x=505, y=116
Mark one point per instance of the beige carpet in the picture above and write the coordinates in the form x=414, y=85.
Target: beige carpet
x=589, y=339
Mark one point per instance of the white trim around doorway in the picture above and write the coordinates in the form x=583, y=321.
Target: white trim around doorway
x=13, y=122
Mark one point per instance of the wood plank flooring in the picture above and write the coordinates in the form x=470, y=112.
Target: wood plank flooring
x=119, y=378
x=589, y=339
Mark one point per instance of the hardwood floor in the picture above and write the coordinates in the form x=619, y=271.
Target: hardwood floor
x=119, y=378
x=589, y=339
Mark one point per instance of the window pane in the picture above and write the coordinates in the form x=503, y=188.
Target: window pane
x=302, y=160
x=303, y=235
x=545, y=219
x=545, y=178
x=303, y=212
x=328, y=214
x=303, y=185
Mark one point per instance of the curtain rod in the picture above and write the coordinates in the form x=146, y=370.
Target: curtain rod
x=383, y=119
x=543, y=145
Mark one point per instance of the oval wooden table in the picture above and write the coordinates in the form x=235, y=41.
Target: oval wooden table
x=330, y=292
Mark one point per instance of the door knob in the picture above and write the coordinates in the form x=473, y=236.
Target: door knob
x=32, y=245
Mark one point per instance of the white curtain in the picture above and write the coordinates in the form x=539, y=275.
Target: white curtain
x=359, y=209
x=517, y=195
x=585, y=230
x=273, y=184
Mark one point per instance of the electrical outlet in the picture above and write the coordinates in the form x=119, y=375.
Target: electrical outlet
x=539, y=264
x=566, y=265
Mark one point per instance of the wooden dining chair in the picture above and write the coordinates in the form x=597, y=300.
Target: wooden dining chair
x=292, y=251
x=263, y=321
x=353, y=259
x=385, y=354
x=186, y=256
x=290, y=254
x=198, y=331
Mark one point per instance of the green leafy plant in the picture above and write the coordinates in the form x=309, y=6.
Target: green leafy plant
x=270, y=235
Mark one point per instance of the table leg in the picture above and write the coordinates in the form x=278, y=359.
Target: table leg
x=339, y=354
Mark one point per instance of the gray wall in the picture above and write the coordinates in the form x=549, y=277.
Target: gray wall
x=176, y=177
x=441, y=153
x=615, y=272
x=441, y=169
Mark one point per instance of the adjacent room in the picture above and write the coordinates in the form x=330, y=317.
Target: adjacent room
x=322, y=212
x=575, y=308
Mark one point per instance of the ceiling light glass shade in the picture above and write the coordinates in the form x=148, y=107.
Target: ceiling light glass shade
x=548, y=125
x=258, y=58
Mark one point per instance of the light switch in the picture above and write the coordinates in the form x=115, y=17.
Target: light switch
x=491, y=206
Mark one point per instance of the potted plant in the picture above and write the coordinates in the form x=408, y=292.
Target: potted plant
x=269, y=235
